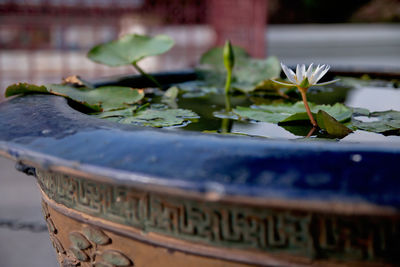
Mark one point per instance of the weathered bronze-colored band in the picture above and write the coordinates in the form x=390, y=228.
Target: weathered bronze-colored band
x=274, y=231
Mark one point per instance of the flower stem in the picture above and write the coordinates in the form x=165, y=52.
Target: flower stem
x=310, y=133
x=148, y=76
x=228, y=82
x=226, y=126
x=227, y=103
x=304, y=97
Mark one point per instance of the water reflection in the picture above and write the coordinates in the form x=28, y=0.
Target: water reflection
x=263, y=129
x=374, y=98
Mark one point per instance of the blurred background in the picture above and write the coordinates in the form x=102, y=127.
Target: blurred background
x=43, y=41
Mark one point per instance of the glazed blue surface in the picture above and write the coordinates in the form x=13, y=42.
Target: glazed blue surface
x=45, y=130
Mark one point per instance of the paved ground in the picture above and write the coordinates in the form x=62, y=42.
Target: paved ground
x=20, y=208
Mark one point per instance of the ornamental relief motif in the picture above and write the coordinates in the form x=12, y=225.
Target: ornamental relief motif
x=298, y=233
x=88, y=247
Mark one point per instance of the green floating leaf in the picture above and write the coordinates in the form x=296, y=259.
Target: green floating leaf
x=331, y=125
x=366, y=81
x=259, y=114
x=100, y=99
x=198, y=88
x=285, y=112
x=116, y=258
x=301, y=116
x=78, y=240
x=160, y=117
x=117, y=113
x=299, y=129
x=24, y=88
x=360, y=112
x=77, y=81
x=382, y=122
x=97, y=236
x=130, y=49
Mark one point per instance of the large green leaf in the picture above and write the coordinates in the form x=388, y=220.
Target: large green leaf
x=331, y=125
x=366, y=81
x=254, y=71
x=248, y=73
x=382, y=122
x=130, y=49
x=291, y=112
x=117, y=113
x=24, y=88
x=101, y=99
x=160, y=117
x=198, y=89
x=258, y=114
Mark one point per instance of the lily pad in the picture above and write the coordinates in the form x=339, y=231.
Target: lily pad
x=263, y=87
x=366, y=81
x=104, y=98
x=253, y=71
x=284, y=112
x=198, y=89
x=385, y=121
x=331, y=125
x=160, y=117
x=130, y=49
x=301, y=116
x=24, y=88
x=117, y=113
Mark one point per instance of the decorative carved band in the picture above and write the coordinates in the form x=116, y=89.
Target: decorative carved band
x=308, y=234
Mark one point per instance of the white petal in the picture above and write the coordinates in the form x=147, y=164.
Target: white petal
x=316, y=74
x=326, y=83
x=298, y=74
x=309, y=71
x=303, y=72
x=289, y=73
x=282, y=83
x=323, y=72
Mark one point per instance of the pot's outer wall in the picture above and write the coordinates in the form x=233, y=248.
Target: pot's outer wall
x=44, y=130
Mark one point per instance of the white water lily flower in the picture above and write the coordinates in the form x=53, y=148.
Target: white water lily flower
x=305, y=78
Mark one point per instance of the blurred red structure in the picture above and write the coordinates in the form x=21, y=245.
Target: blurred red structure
x=44, y=40
x=243, y=22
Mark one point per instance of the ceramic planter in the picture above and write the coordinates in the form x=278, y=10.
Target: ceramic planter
x=118, y=195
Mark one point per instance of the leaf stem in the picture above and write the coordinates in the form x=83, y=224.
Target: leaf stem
x=304, y=97
x=148, y=76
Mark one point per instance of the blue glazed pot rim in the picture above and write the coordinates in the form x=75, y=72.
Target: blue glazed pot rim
x=46, y=132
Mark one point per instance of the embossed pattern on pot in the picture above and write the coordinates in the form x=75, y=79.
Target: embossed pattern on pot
x=309, y=234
